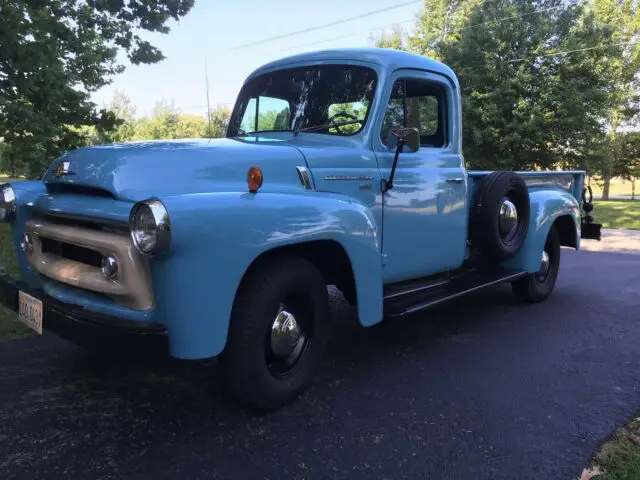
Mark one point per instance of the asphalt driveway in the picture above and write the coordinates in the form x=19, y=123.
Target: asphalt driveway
x=483, y=388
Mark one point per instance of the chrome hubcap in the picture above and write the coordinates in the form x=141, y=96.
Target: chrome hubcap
x=507, y=219
x=544, y=266
x=286, y=335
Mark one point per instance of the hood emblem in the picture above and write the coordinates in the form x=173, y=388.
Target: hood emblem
x=63, y=169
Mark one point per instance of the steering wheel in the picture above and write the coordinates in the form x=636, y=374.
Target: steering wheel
x=343, y=114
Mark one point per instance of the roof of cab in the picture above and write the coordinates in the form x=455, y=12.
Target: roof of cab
x=385, y=57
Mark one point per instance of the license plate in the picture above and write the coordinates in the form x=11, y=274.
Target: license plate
x=30, y=311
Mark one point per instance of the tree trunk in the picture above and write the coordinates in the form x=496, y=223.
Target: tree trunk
x=633, y=188
x=13, y=163
x=606, y=178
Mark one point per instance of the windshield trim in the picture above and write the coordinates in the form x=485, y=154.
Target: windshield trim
x=256, y=75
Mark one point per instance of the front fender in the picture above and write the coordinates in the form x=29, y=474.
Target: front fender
x=26, y=193
x=546, y=207
x=217, y=236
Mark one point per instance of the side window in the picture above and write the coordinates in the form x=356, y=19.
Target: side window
x=272, y=114
x=420, y=104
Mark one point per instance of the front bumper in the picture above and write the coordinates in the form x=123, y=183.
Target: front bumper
x=86, y=328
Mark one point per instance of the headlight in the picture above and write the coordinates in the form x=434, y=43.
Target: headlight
x=150, y=227
x=7, y=203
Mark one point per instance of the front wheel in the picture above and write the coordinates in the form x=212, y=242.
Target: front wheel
x=536, y=287
x=278, y=332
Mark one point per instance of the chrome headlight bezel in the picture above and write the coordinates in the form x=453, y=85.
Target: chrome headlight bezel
x=162, y=226
x=7, y=203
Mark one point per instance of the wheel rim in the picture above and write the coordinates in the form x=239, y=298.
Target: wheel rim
x=545, y=266
x=507, y=220
x=287, y=340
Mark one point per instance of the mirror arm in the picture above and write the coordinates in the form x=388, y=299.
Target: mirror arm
x=388, y=184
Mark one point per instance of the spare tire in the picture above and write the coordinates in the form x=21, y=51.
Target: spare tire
x=500, y=215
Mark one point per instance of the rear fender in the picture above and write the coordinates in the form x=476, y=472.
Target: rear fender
x=546, y=206
x=217, y=236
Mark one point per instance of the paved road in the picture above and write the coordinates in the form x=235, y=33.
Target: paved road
x=485, y=388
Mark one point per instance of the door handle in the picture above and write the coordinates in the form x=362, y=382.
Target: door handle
x=455, y=180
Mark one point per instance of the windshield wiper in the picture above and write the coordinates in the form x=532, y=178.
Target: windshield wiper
x=328, y=125
x=269, y=131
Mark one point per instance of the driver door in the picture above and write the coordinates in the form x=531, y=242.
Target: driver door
x=424, y=214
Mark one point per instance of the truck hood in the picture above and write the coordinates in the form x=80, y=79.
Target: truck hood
x=135, y=171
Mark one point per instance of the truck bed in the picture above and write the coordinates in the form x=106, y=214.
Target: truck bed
x=568, y=180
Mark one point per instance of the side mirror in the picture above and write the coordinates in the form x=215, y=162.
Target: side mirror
x=401, y=139
x=409, y=136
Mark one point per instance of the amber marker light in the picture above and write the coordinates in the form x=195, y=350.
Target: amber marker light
x=254, y=179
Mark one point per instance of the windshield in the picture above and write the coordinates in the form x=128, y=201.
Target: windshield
x=329, y=99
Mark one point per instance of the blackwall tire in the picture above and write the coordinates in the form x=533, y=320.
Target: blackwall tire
x=284, y=289
x=500, y=215
x=537, y=287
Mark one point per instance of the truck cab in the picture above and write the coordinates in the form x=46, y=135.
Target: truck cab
x=339, y=167
x=365, y=99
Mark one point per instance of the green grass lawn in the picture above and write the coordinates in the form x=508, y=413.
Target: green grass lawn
x=619, y=458
x=618, y=186
x=618, y=214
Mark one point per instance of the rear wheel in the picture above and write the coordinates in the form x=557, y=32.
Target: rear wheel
x=536, y=287
x=278, y=333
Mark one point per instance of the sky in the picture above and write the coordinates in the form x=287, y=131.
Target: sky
x=214, y=30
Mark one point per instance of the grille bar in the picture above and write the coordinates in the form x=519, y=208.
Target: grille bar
x=130, y=288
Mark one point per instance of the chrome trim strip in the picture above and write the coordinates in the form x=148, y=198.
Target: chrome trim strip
x=348, y=177
x=305, y=177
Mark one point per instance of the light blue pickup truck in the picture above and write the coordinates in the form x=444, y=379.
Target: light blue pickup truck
x=340, y=167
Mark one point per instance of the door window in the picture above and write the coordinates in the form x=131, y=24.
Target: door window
x=417, y=103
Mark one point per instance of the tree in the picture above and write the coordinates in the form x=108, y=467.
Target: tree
x=189, y=126
x=4, y=166
x=622, y=20
x=124, y=111
x=54, y=53
x=395, y=39
x=161, y=124
x=218, y=121
x=526, y=103
x=441, y=22
x=166, y=122
x=629, y=165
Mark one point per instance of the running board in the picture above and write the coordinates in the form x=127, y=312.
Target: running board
x=399, y=306
x=414, y=286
